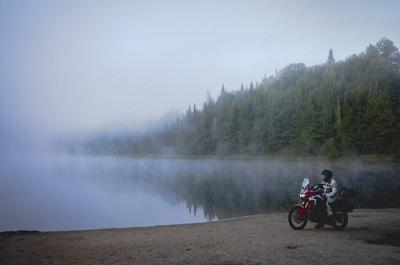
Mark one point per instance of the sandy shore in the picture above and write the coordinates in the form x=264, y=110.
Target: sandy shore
x=372, y=237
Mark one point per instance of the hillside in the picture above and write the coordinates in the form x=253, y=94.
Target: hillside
x=333, y=109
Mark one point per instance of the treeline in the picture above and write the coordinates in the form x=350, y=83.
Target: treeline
x=333, y=109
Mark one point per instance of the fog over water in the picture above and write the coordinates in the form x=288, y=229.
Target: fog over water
x=62, y=192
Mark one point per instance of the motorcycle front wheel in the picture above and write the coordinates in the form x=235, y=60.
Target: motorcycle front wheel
x=295, y=221
x=340, y=220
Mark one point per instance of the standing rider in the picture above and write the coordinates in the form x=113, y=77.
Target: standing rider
x=330, y=190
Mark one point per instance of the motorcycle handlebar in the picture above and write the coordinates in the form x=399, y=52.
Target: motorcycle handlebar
x=317, y=188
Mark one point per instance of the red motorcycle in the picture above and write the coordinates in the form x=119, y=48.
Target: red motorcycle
x=312, y=207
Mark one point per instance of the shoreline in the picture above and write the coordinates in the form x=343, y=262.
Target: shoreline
x=28, y=232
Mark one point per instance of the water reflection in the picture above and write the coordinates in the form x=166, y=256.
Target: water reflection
x=224, y=189
x=82, y=192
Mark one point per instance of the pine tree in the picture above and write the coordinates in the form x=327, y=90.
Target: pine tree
x=331, y=59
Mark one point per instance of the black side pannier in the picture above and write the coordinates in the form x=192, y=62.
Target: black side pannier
x=344, y=200
x=344, y=205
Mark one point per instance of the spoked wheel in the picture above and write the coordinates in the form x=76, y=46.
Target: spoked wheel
x=340, y=220
x=295, y=221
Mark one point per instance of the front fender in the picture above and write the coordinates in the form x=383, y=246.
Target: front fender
x=302, y=210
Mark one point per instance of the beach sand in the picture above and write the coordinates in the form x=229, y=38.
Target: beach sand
x=372, y=237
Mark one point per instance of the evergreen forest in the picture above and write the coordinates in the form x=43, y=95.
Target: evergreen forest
x=338, y=108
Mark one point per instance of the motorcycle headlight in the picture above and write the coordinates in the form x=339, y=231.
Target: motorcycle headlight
x=302, y=195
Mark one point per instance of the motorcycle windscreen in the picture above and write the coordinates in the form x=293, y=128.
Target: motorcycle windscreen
x=305, y=184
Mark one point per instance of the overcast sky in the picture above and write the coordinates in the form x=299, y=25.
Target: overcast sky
x=70, y=65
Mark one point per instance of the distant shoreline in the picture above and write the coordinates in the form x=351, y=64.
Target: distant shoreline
x=355, y=158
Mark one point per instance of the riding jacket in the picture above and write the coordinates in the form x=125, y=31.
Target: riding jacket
x=330, y=188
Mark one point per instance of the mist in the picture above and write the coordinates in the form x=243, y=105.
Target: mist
x=93, y=77
x=79, y=65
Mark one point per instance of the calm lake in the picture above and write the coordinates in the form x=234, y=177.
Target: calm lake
x=62, y=192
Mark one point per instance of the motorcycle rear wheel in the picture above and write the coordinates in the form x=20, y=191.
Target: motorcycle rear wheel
x=340, y=220
x=294, y=221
